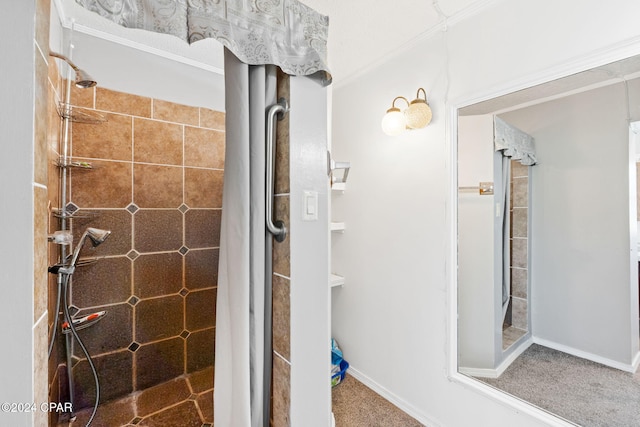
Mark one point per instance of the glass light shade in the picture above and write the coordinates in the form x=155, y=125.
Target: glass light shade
x=418, y=114
x=394, y=122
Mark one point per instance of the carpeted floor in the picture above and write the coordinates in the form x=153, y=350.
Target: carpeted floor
x=356, y=405
x=584, y=392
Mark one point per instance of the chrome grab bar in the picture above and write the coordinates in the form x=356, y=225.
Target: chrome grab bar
x=278, y=111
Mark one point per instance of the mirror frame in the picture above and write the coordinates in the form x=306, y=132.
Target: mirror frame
x=575, y=65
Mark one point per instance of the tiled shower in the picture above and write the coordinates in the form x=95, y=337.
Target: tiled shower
x=155, y=180
x=516, y=322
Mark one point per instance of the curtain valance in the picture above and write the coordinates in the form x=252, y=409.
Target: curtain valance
x=513, y=142
x=285, y=33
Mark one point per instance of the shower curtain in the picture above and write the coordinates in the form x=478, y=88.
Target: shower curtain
x=244, y=246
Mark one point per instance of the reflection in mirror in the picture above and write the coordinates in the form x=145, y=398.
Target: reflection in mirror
x=548, y=301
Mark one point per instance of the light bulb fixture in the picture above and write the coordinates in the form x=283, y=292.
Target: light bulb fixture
x=419, y=113
x=394, y=122
x=416, y=116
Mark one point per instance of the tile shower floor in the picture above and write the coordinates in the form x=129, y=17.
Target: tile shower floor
x=186, y=401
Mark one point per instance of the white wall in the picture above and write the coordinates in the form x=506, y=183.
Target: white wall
x=477, y=305
x=580, y=223
x=391, y=318
x=310, y=335
x=17, y=189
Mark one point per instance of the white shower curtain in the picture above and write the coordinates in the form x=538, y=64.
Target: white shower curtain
x=240, y=362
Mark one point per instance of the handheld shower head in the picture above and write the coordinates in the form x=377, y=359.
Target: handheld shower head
x=96, y=236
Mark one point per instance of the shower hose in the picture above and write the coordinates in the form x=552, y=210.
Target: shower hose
x=63, y=293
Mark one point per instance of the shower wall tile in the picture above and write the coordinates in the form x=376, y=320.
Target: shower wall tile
x=157, y=142
x=281, y=250
x=41, y=86
x=107, y=281
x=158, y=230
x=157, y=274
x=159, y=362
x=40, y=368
x=107, y=185
x=200, y=309
x=281, y=393
x=281, y=175
x=110, y=140
x=135, y=189
x=80, y=97
x=172, y=112
x=113, y=325
x=203, y=148
x=201, y=268
x=115, y=373
x=203, y=188
x=43, y=9
x=519, y=253
x=202, y=228
x=124, y=103
x=520, y=190
x=519, y=222
x=55, y=80
x=205, y=403
x=40, y=252
x=518, y=170
x=161, y=396
x=212, y=119
x=281, y=316
x=202, y=380
x=519, y=317
x=157, y=186
x=159, y=318
x=519, y=282
x=119, y=221
x=200, y=349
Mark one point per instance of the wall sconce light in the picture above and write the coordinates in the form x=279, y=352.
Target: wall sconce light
x=416, y=116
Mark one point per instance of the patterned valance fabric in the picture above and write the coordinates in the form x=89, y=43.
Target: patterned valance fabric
x=513, y=142
x=285, y=33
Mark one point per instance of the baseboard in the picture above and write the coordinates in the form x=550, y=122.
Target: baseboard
x=589, y=356
x=499, y=370
x=395, y=400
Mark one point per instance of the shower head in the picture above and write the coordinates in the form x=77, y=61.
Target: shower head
x=83, y=79
x=96, y=236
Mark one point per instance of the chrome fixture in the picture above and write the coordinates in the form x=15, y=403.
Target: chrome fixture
x=83, y=79
x=96, y=236
x=278, y=229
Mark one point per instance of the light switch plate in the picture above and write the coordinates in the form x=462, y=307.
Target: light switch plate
x=310, y=206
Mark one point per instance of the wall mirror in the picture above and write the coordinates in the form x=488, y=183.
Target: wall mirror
x=547, y=299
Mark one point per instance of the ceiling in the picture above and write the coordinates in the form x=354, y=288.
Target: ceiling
x=361, y=32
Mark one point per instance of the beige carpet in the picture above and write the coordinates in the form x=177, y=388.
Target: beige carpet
x=584, y=392
x=355, y=405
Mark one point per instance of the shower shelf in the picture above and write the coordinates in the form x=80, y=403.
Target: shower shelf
x=338, y=227
x=80, y=115
x=80, y=213
x=336, y=280
x=339, y=186
x=61, y=163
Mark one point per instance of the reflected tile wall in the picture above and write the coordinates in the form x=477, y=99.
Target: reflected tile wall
x=519, y=244
x=156, y=183
x=281, y=392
